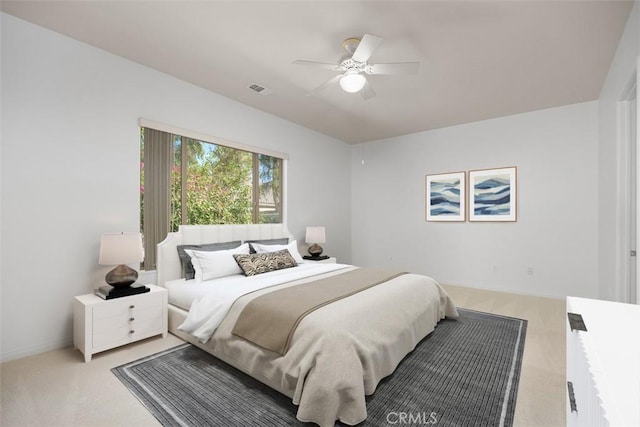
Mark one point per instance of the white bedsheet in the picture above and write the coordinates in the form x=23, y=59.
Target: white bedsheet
x=209, y=302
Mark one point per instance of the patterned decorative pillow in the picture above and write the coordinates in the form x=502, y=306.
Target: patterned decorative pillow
x=253, y=264
x=291, y=247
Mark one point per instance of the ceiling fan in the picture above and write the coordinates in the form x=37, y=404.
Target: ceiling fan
x=354, y=66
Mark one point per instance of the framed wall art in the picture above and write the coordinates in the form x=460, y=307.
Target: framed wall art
x=493, y=194
x=446, y=197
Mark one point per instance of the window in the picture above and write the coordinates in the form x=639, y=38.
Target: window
x=184, y=180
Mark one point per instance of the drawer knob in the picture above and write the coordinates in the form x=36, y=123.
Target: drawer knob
x=131, y=307
x=131, y=319
x=132, y=331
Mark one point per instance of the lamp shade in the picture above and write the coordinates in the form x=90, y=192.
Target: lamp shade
x=315, y=235
x=352, y=82
x=120, y=248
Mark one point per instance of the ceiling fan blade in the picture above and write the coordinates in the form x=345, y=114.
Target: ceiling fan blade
x=329, y=82
x=333, y=67
x=405, y=68
x=367, y=91
x=367, y=46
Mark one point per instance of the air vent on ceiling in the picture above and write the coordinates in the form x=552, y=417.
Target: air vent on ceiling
x=259, y=89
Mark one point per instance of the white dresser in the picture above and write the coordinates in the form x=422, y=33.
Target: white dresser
x=100, y=325
x=603, y=364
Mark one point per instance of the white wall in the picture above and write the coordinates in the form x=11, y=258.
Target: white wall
x=611, y=164
x=555, y=151
x=70, y=170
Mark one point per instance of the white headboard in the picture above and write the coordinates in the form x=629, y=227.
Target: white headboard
x=168, y=263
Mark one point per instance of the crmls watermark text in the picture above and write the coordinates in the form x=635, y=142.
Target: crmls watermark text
x=412, y=418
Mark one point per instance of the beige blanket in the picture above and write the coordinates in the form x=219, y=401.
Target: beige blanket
x=271, y=319
x=340, y=352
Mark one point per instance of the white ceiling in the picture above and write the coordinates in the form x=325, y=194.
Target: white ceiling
x=479, y=59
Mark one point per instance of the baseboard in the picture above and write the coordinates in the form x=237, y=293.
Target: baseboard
x=35, y=349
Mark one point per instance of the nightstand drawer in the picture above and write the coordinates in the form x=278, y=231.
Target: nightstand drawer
x=126, y=305
x=125, y=320
x=113, y=331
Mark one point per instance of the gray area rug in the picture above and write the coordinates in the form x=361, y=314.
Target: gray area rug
x=463, y=374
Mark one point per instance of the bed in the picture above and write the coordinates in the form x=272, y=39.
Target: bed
x=336, y=355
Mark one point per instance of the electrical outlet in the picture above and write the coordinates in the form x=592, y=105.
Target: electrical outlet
x=530, y=271
x=494, y=268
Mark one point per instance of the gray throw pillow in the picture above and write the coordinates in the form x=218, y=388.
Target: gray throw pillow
x=281, y=241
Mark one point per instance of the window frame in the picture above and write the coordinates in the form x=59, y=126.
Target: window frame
x=254, y=151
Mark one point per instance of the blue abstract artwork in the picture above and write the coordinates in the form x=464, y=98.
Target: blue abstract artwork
x=493, y=195
x=445, y=197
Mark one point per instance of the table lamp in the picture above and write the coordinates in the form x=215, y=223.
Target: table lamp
x=121, y=249
x=314, y=236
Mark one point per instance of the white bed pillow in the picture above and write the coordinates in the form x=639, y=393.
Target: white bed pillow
x=211, y=265
x=291, y=247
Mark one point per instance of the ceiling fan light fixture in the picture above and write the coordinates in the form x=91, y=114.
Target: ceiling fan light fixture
x=352, y=82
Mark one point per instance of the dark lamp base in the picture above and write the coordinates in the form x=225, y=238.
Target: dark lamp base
x=121, y=276
x=315, y=250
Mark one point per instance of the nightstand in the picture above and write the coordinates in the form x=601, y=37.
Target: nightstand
x=100, y=324
x=330, y=260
